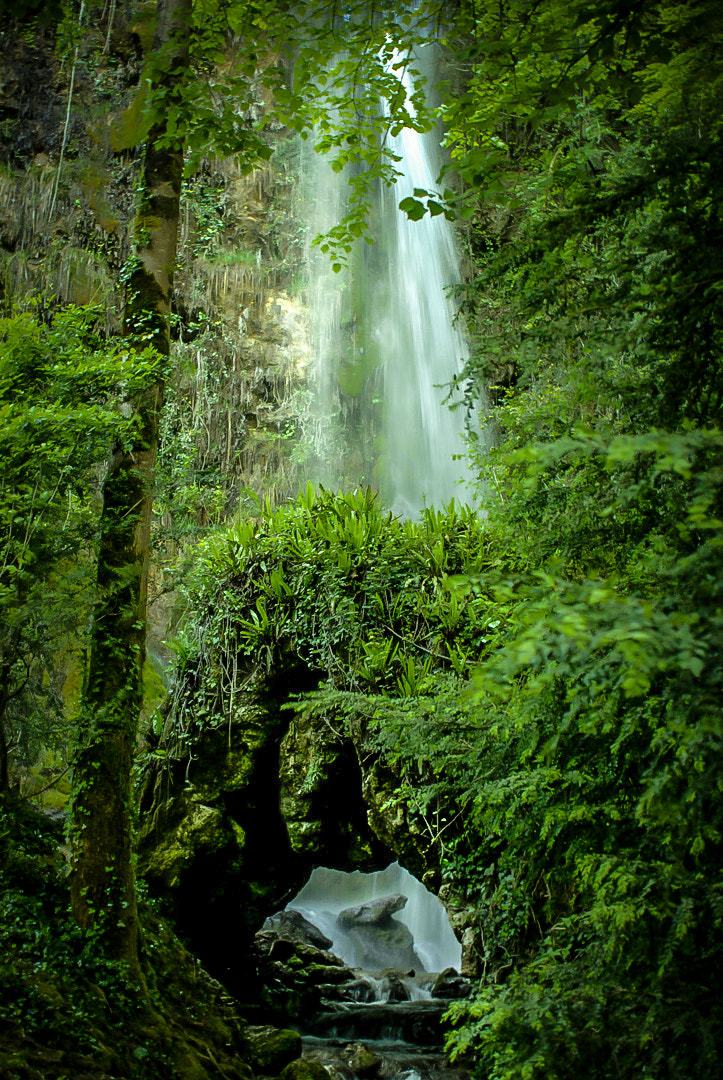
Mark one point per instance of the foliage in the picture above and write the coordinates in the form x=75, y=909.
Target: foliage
x=574, y=784
x=589, y=140
x=343, y=65
x=59, y=387
x=585, y=760
x=337, y=583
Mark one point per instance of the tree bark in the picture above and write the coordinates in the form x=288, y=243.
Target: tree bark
x=102, y=879
x=4, y=755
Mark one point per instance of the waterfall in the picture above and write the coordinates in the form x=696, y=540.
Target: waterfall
x=423, y=347
x=375, y=1007
x=328, y=892
x=386, y=342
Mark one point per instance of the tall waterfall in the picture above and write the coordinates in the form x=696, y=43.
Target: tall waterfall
x=386, y=343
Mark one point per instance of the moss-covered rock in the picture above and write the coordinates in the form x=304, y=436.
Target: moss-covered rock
x=304, y=1069
x=363, y=1061
x=320, y=783
x=202, y=829
x=271, y=1048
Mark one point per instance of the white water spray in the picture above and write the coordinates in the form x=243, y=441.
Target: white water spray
x=424, y=349
x=328, y=892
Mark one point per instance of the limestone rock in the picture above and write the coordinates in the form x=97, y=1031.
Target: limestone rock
x=380, y=940
x=291, y=925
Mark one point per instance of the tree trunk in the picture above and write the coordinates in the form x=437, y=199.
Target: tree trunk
x=102, y=880
x=4, y=755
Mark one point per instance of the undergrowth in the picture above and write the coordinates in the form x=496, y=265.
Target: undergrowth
x=67, y=1011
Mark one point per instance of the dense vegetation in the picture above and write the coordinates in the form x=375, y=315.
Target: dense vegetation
x=586, y=754
x=544, y=672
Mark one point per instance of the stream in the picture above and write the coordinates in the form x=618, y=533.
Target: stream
x=369, y=939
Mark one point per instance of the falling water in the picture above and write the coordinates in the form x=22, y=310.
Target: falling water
x=387, y=342
x=424, y=349
x=330, y=891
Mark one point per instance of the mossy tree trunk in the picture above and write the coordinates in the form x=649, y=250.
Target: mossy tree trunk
x=102, y=881
x=4, y=754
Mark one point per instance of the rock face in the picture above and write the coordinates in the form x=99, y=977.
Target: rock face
x=380, y=940
x=296, y=977
x=236, y=813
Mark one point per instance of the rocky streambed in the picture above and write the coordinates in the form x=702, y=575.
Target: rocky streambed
x=379, y=1018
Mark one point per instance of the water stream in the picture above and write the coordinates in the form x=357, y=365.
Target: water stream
x=383, y=1014
x=328, y=892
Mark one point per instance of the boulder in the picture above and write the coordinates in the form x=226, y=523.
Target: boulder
x=361, y=1060
x=373, y=913
x=393, y=989
x=379, y=940
x=304, y=1069
x=450, y=985
x=291, y=925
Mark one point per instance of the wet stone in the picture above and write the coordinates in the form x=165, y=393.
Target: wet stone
x=393, y=989
x=380, y=941
x=374, y=912
x=451, y=986
x=291, y=925
x=361, y=1060
x=304, y=1069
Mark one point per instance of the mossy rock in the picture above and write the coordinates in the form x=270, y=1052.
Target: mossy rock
x=201, y=830
x=271, y=1048
x=363, y=1061
x=304, y=1069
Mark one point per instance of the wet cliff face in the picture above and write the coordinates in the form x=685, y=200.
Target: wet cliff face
x=236, y=396
x=235, y=815
x=68, y=169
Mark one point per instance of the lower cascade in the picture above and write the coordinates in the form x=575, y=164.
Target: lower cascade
x=366, y=965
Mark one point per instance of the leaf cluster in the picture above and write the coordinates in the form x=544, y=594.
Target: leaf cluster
x=589, y=138
x=337, y=583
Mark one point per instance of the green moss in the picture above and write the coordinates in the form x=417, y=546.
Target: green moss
x=272, y=1048
x=304, y=1069
x=238, y=833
